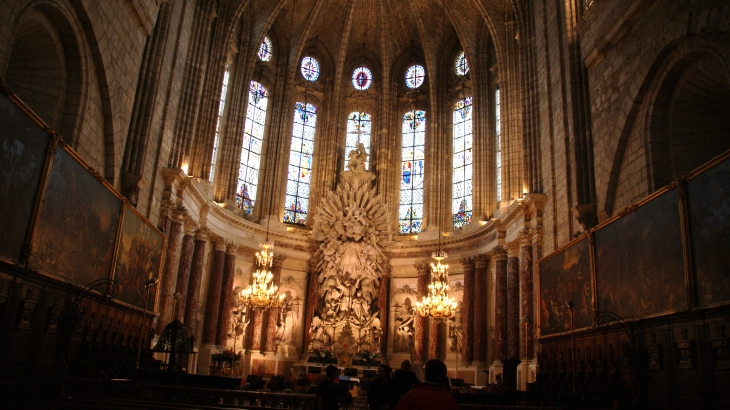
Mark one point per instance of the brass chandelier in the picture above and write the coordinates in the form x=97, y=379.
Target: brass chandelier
x=438, y=304
x=262, y=293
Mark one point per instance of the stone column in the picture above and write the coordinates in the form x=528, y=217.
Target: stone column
x=536, y=256
x=480, y=309
x=254, y=343
x=192, y=303
x=433, y=339
x=467, y=312
x=169, y=275
x=527, y=289
x=224, y=309
x=500, y=303
x=273, y=314
x=513, y=302
x=312, y=302
x=419, y=354
x=183, y=274
x=384, y=309
x=215, y=284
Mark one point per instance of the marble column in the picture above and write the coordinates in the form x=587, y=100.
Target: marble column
x=419, y=344
x=480, y=309
x=215, y=284
x=536, y=256
x=467, y=312
x=183, y=273
x=500, y=303
x=513, y=302
x=433, y=339
x=527, y=290
x=383, y=309
x=224, y=309
x=192, y=303
x=254, y=343
x=168, y=283
x=272, y=315
x=311, y=303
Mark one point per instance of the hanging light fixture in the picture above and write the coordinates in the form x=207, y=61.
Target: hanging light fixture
x=262, y=293
x=438, y=304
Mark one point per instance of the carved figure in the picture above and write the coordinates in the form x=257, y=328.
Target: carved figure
x=356, y=158
x=287, y=323
x=404, y=327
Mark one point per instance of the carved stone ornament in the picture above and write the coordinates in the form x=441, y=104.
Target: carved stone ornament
x=350, y=228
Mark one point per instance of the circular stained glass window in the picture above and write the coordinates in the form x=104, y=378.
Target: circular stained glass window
x=415, y=76
x=362, y=78
x=310, y=69
x=265, y=50
x=462, y=67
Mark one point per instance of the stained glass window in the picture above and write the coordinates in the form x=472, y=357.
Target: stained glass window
x=358, y=123
x=362, y=79
x=462, y=67
x=415, y=76
x=310, y=69
x=221, y=107
x=462, y=180
x=299, y=179
x=498, y=123
x=410, y=212
x=253, y=134
x=265, y=50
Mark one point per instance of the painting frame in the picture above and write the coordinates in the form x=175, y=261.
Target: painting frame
x=579, y=254
x=135, y=229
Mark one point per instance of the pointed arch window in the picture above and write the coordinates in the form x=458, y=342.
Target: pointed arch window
x=498, y=123
x=299, y=178
x=253, y=135
x=410, y=212
x=462, y=180
x=359, y=127
x=221, y=108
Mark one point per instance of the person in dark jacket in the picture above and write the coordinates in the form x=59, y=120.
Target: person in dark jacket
x=327, y=390
x=404, y=378
x=431, y=394
x=382, y=394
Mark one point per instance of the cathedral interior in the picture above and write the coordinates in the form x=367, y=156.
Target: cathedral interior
x=529, y=191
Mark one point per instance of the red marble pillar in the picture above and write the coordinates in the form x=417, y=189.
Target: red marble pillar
x=254, y=342
x=527, y=290
x=433, y=339
x=169, y=275
x=467, y=312
x=273, y=314
x=215, y=284
x=312, y=302
x=500, y=303
x=183, y=273
x=224, y=309
x=480, y=309
x=384, y=309
x=536, y=256
x=419, y=354
x=192, y=304
x=513, y=303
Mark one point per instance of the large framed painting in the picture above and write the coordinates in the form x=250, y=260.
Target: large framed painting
x=23, y=148
x=140, y=251
x=566, y=276
x=639, y=260
x=708, y=195
x=77, y=225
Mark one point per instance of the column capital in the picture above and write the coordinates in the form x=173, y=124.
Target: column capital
x=468, y=264
x=191, y=226
x=499, y=252
x=278, y=260
x=178, y=214
x=231, y=247
x=482, y=261
x=422, y=268
x=219, y=243
x=536, y=234
x=525, y=237
x=513, y=249
x=202, y=234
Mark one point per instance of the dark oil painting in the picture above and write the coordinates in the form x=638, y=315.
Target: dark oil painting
x=639, y=261
x=709, y=216
x=77, y=226
x=566, y=276
x=23, y=146
x=138, y=259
